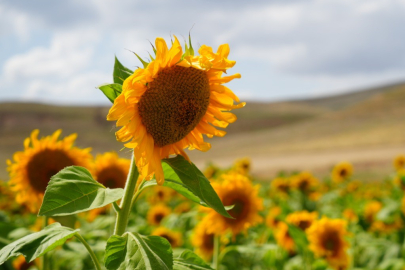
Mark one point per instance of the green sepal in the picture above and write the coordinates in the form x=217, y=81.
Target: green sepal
x=120, y=72
x=111, y=91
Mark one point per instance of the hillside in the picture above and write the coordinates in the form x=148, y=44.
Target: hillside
x=366, y=127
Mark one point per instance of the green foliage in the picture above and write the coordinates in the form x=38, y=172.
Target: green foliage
x=73, y=190
x=120, y=72
x=189, y=261
x=135, y=251
x=37, y=244
x=179, y=170
x=111, y=91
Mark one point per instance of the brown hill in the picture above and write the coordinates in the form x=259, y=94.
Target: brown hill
x=366, y=127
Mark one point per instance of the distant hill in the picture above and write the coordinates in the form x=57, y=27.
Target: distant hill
x=278, y=135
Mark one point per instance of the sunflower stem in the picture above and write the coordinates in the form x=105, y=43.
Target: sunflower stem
x=45, y=258
x=126, y=202
x=91, y=253
x=215, y=258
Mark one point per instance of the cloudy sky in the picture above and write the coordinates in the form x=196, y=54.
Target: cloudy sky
x=59, y=51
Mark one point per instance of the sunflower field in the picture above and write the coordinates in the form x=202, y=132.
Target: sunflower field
x=63, y=208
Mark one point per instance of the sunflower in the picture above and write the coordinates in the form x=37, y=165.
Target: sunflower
x=327, y=240
x=399, y=179
x=211, y=171
x=174, y=238
x=384, y=227
x=111, y=170
x=159, y=194
x=236, y=189
x=7, y=202
x=273, y=217
x=170, y=103
x=283, y=238
x=342, y=171
x=304, y=182
x=399, y=162
x=302, y=219
x=350, y=215
x=281, y=185
x=157, y=213
x=182, y=208
x=32, y=168
x=371, y=210
x=21, y=264
x=242, y=166
x=203, y=240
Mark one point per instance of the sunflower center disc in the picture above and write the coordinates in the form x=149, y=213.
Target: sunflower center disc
x=44, y=165
x=174, y=103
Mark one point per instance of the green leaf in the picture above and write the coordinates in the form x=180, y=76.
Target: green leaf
x=179, y=170
x=111, y=91
x=115, y=252
x=37, y=244
x=120, y=72
x=142, y=253
x=73, y=190
x=189, y=261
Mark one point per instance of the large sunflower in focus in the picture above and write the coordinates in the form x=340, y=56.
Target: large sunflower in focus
x=236, y=189
x=42, y=158
x=327, y=240
x=169, y=104
x=111, y=170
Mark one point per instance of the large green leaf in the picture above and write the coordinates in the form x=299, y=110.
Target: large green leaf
x=73, y=190
x=35, y=245
x=111, y=91
x=138, y=252
x=179, y=170
x=120, y=72
x=189, y=261
x=115, y=252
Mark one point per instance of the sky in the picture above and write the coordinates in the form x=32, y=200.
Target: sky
x=60, y=51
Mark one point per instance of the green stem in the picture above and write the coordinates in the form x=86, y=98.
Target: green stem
x=126, y=202
x=215, y=258
x=45, y=258
x=92, y=255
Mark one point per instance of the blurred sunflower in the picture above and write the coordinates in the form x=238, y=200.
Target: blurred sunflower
x=273, y=217
x=236, y=189
x=283, y=238
x=182, y=208
x=371, y=210
x=350, y=215
x=169, y=104
x=157, y=213
x=399, y=179
x=41, y=159
x=174, y=238
x=211, y=171
x=242, y=166
x=203, y=240
x=384, y=227
x=399, y=162
x=111, y=170
x=281, y=185
x=21, y=264
x=302, y=219
x=159, y=194
x=7, y=202
x=327, y=240
x=342, y=171
x=304, y=181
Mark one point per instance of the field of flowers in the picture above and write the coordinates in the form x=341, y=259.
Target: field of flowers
x=62, y=208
